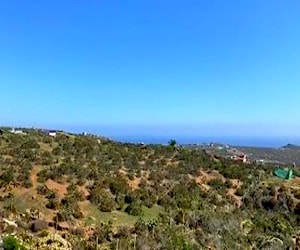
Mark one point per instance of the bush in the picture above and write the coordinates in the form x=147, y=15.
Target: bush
x=7, y=177
x=43, y=233
x=63, y=215
x=103, y=199
x=218, y=185
x=240, y=191
x=130, y=197
x=27, y=183
x=166, y=202
x=30, y=144
x=53, y=203
x=38, y=225
x=11, y=243
x=76, y=212
x=120, y=200
x=124, y=232
x=42, y=189
x=148, y=198
x=229, y=183
x=134, y=208
x=117, y=186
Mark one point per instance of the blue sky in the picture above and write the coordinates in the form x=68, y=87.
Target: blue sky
x=152, y=66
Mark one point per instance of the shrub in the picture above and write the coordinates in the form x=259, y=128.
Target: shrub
x=30, y=144
x=240, y=191
x=229, y=183
x=43, y=233
x=166, y=201
x=38, y=225
x=63, y=215
x=134, y=208
x=11, y=243
x=77, y=231
x=218, y=185
x=27, y=183
x=118, y=186
x=103, y=199
x=42, y=189
x=130, y=197
x=53, y=203
x=47, y=140
x=148, y=198
x=7, y=177
x=120, y=200
x=123, y=231
x=76, y=212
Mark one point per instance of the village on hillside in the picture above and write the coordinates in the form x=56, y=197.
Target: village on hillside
x=286, y=155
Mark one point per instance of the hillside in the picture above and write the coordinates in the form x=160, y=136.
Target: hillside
x=291, y=146
x=69, y=191
x=288, y=154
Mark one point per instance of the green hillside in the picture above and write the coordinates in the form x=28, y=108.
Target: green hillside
x=85, y=192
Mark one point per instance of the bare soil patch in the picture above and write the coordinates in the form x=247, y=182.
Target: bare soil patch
x=236, y=184
x=134, y=184
x=60, y=188
x=205, y=176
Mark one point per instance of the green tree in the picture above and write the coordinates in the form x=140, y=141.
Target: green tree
x=103, y=199
x=172, y=143
x=134, y=208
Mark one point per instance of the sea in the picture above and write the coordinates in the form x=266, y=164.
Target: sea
x=268, y=142
x=159, y=138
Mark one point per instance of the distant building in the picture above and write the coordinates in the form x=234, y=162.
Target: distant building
x=241, y=158
x=52, y=133
x=17, y=131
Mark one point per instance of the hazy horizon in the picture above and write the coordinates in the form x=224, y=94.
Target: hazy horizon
x=232, y=135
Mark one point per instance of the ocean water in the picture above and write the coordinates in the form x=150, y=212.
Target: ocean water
x=272, y=142
x=155, y=137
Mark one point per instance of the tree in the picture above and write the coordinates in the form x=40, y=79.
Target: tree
x=134, y=208
x=103, y=199
x=172, y=143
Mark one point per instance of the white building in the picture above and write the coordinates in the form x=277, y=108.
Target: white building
x=18, y=131
x=52, y=133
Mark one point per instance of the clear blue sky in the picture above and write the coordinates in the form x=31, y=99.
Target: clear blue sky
x=224, y=67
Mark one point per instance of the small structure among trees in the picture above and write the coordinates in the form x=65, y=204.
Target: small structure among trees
x=52, y=133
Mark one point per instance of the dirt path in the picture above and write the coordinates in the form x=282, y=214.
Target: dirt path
x=33, y=178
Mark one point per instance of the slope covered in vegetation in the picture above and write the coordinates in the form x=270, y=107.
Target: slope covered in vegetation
x=85, y=192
